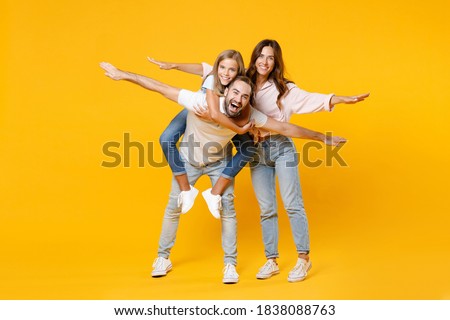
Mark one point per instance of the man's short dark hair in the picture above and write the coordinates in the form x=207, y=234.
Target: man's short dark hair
x=246, y=80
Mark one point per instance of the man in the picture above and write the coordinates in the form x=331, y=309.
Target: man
x=206, y=149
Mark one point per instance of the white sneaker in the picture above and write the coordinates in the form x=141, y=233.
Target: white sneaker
x=229, y=274
x=270, y=268
x=161, y=266
x=214, y=203
x=300, y=270
x=186, y=199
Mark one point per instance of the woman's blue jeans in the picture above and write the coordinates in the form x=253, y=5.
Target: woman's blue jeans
x=277, y=156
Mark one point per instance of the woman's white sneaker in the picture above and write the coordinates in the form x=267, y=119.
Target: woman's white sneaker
x=300, y=270
x=161, y=266
x=269, y=269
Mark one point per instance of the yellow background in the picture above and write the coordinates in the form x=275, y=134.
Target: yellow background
x=72, y=229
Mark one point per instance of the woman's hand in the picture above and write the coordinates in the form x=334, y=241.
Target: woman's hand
x=348, y=99
x=162, y=65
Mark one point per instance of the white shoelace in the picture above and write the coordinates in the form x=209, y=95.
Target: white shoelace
x=267, y=267
x=158, y=263
x=300, y=267
x=229, y=270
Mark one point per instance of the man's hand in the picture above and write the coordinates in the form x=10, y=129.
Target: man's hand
x=334, y=140
x=348, y=99
x=111, y=71
x=161, y=64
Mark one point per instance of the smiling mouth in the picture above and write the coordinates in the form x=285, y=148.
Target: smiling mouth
x=225, y=79
x=234, y=107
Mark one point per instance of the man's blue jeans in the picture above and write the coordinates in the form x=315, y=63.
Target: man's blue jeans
x=228, y=217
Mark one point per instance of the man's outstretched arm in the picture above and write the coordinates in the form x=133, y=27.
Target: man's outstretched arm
x=294, y=131
x=148, y=83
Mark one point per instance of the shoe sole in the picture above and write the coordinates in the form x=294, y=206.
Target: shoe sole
x=230, y=281
x=161, y=273
x=267, y=276
x=300, y=279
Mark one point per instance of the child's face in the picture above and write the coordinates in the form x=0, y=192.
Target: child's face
x=227, y=71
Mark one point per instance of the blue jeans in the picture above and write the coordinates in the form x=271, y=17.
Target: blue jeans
x=169, y=138
x=228, y=217
x=277, y=156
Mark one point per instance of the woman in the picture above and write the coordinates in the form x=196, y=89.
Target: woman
x=279, y=98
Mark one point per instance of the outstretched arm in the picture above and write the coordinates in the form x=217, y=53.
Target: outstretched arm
x=294, y=131
x=347, y=99
x=194, y=68
x=148, y=83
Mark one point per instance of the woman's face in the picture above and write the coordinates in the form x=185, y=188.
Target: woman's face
x=265, y=62
x=227, y=71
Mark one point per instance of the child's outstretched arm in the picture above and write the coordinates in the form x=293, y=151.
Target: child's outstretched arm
x=194, y=68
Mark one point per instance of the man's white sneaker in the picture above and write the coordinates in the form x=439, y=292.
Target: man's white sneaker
x=300, y=270
x=214, y=202
x=161, y=266
x=186, y=199
x=269, y=269
x=229, y=274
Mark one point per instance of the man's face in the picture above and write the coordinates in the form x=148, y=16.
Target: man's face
x=236, y=98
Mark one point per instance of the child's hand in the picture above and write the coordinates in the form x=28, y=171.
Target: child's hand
x=161, y=64
x=202, y=112
x=248, y=126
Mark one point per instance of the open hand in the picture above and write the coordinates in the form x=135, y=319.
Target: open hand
x=161, y=64
x=348, y=99
x=111, y=71
x=334, y=140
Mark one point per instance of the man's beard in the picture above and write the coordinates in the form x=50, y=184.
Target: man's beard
x=237, y=114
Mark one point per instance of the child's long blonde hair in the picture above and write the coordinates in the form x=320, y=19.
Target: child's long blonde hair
x=219, y=88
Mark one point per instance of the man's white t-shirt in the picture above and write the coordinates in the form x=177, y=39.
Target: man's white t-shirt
x=206, y=142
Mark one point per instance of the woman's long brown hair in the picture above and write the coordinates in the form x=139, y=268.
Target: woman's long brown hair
x=277, y=74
